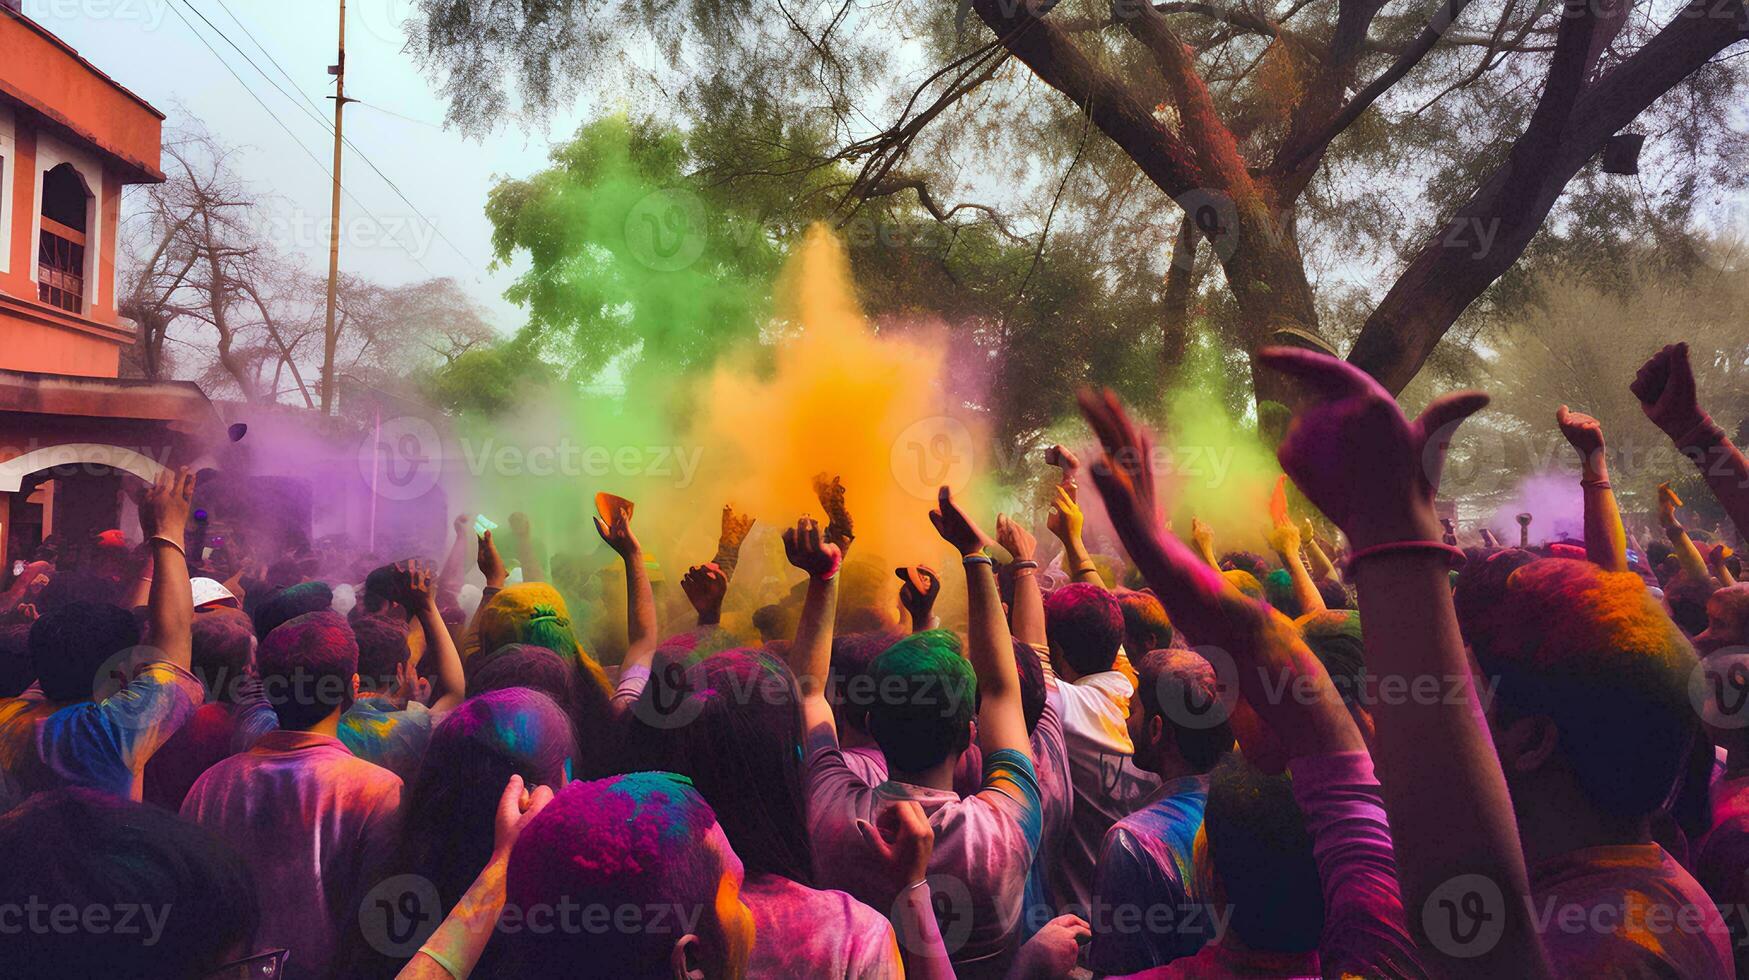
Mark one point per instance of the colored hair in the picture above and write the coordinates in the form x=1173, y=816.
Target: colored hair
x=732, y=723
x=1084, y=624
x=1481, y=585
x=773, y=622
x=1261, y=854
x=852, y=653
x=1334, y=637
x=924, y=696
x=583, y=698
x=1167, y=679
x=1145, y=626
x=306, y=666
x=1278, y=589
x=223, y=645
x=382, y=647
x=1592, y=651
x=641, y=840
x=1335, y=594
x=289, y=603
x=70, y=645
x=1248, y=562
x=451, y=808
x=83, y=849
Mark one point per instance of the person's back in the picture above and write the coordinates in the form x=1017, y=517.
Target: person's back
x=1592, y=719
x=984, y=843
x=107, y=706
x=1085, y=625
x=739, y=745
x=234, y=715
x=313, y=821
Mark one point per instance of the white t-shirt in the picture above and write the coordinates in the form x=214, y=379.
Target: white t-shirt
x=1108, y=786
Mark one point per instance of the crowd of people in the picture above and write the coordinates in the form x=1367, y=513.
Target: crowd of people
x=1404, y=749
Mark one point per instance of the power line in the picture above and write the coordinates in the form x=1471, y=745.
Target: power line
x=316, y=115
x=294, y=137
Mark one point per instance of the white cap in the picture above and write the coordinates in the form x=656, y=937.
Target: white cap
x=208, y=591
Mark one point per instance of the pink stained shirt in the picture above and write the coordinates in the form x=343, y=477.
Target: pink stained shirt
x=984, y=845
x=816, y=933
x=313, y=823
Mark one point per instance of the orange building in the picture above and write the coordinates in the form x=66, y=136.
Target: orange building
x=71, y=138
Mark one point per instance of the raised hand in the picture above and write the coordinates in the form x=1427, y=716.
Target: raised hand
x=1278, y=502
x=1665, y=387
x=519, y=525
x=705, y=585
x=806, y=547
x=1284, y=540
x=1583, y=433
x=1379, y=488
x=917, y=591
x=1125, y=471
x=462, y=523
x=1064, y=519
x=955, y=527
x=490, y=563
x=414, y=588
x=617, y=529
x=1015, y=538
x=840, y=529
x=164, y=505
x=734, y=529
x=1668, y=501
x=1060, y=457
x=1202, y=538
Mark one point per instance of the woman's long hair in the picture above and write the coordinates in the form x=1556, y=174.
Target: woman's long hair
x=732, y=723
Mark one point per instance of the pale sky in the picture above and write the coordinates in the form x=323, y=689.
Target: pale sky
x=145, y=46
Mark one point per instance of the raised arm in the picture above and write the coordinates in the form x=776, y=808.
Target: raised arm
x=1606, y=542
x=705, y=586
x=1065, y=521
x=917, y=594
x=1026, y=611
x=1263, y=646
x=1667, y=394
x=735, y=528
x=1687, y=555
x=1284, y=539
x=170, y=608
x=455, y=561
x=1450, y=812
x=1323, y=569
x=810, y=654
x=989, y=647
x=616, y=530
x=840, y=529
x=1202, y=538
x=418, y=595
x=455, y=948
x=1717, y=558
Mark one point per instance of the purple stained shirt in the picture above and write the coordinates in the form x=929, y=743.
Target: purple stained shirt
x=816, y=933
x=314, y=824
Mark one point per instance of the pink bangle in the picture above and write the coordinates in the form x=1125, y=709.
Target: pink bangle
x=1700, y=435
x=1454, y=553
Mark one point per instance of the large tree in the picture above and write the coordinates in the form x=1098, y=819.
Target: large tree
x=1406, y=155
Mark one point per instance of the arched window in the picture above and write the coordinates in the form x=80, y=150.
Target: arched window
x=61, y=252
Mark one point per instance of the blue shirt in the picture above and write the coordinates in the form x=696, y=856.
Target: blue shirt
x=1146, y=910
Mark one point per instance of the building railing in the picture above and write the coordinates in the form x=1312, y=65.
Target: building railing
x=60, y=267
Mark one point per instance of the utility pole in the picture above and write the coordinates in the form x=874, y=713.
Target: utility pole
x=338, y=70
